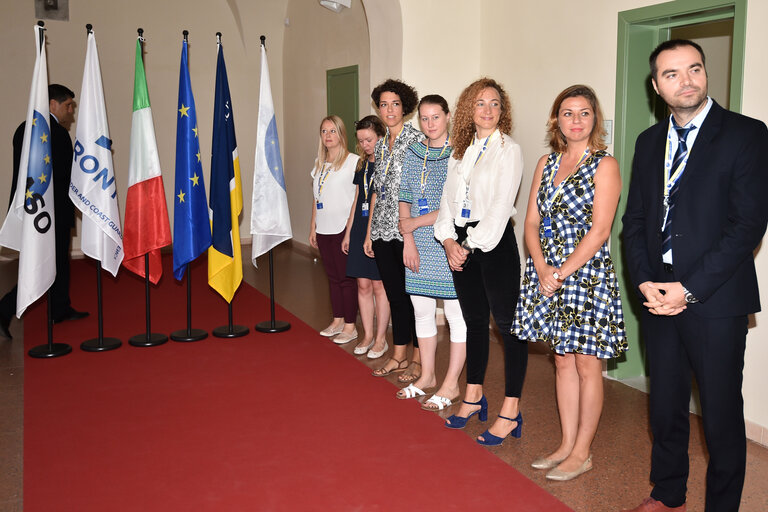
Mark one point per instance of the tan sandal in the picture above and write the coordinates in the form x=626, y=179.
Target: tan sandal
x=383, y=372
x=410, y=375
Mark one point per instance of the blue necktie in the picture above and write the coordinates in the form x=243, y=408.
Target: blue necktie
x=680, y=154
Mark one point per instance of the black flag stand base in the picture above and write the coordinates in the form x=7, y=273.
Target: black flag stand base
x=272, y=325
x=51, y=349
x=230, y=330
x=100, y=344
x=148, y=339
x=189, y=334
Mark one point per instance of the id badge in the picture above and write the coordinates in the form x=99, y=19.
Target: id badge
x=423, y=208
x=319, y=205
x=364, y=209
x=383, y=191
x=547, y=222
x=466, y=207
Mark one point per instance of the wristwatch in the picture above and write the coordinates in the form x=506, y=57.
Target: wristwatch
x=689, y=298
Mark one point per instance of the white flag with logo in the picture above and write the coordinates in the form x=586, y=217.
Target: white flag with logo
x=93, y=188
x=29, y=225
x=270, y=221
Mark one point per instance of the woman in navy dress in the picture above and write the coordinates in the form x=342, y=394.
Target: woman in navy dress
x=369, y=286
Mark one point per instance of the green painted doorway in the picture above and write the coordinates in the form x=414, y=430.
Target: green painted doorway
x=341, y=85
x=638, y=107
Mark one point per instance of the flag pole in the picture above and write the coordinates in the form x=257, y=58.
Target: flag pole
x=230, y=330
x=272, y=325
x=51, y=349
x=148, y=339
x=100, y=343
x=189, y=334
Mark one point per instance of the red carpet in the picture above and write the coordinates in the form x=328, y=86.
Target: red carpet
x=264, y=422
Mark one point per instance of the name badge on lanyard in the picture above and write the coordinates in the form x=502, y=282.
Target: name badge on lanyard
x=466, y=204
x=547, y=223
x=364, y=209
x=466, y=208
x=383, y=192
x=320, y=184
x=423, y=207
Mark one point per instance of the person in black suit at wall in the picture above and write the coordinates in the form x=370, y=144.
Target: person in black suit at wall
x=62, y=108
x=696, y=211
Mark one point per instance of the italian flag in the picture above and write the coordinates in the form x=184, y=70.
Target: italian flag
x=147, y=229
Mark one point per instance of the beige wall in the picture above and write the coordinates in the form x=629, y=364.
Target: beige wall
x=316, y=40
x=536, y=49
x=241, y=23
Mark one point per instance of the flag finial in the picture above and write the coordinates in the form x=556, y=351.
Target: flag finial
x=263, y=41
x=186, y=34
x=88, y=28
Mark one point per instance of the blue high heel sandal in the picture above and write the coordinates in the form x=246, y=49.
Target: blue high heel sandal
x=454, y=421
x=492, y=440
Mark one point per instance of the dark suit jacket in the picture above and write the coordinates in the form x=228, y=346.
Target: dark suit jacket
x=61, y=144
x=721, y=210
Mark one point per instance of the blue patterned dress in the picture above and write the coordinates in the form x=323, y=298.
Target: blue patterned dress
x=434, y=277
x=584, y=316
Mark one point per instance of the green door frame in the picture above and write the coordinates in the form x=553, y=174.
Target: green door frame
x=639, y=32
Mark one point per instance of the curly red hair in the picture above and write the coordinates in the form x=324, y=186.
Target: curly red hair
x=463, y=123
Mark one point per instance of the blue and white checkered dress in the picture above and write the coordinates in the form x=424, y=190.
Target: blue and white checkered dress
x=584, y=316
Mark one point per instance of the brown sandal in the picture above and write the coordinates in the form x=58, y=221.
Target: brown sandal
x=383, y=372
x=410, y=375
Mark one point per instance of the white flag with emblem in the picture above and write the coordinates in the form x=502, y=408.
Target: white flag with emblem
x=93, y=188
x=29, y=226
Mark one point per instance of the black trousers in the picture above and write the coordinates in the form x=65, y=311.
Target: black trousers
x=389, y=260
x=490, y=282
x=712, y=350
x=60, y=302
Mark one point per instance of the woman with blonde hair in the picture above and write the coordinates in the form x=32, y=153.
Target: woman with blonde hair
x=570, y=297
x=334, y=194
x=369, y=286
x=475, y=228
x=427, y=274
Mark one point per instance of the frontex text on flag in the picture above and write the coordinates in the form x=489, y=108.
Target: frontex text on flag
x=29, y=225
x=92, y=188
x=270, y=222
x=147, y=229
x=191, y=227
x=225, y=262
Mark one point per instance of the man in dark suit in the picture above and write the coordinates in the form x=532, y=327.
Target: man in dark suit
x=696, y=211
x=62, y=108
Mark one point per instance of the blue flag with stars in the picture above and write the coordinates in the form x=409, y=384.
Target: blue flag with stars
x=191, y=227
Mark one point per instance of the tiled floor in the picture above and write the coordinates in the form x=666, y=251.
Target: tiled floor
x=621, y=448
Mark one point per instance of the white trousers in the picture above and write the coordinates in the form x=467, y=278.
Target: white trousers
x=424, y=309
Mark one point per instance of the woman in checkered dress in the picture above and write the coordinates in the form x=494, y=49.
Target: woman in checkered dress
x=569, y=296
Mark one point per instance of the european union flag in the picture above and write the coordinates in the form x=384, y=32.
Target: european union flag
x=191, y=228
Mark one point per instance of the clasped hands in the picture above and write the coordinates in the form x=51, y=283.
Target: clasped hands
x=666, y=299
x=548, y=283
x=455, y=254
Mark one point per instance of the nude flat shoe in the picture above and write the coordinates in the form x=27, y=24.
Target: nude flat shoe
x=545, y=463
x=564, y=476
